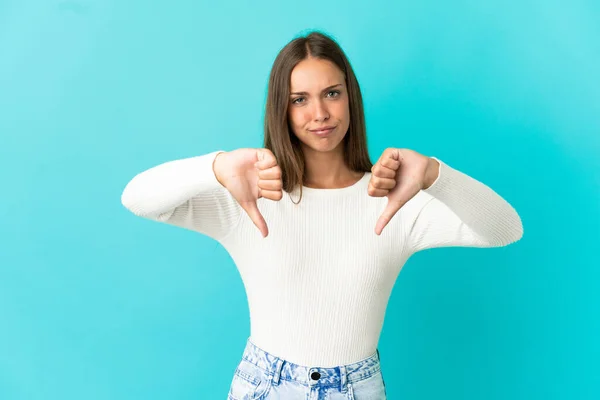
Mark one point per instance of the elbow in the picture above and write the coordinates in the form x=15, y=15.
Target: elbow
x=132, y=202
x=128, y=201
x=516, y=236
x=519, y=232
x=512, y=233
x=143, y=205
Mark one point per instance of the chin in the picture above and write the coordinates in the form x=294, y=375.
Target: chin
x=324, y=146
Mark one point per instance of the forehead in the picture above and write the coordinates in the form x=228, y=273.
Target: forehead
x=313, y=74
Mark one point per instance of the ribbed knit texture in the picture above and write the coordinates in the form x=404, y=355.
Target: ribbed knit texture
x=319, y=284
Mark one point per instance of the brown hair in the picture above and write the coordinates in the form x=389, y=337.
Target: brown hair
x=277, y=134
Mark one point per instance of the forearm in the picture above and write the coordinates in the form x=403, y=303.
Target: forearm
x=491, y=217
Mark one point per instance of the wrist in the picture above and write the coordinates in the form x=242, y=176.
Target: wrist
x=431, y=173
x=218, y=167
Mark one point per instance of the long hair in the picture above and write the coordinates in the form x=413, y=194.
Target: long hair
x=278, y=136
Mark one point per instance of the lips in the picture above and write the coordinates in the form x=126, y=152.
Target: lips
x=321, y=131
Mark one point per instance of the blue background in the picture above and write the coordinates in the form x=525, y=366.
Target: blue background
x=96, y=303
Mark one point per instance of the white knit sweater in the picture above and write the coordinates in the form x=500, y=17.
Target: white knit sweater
x=319, y=284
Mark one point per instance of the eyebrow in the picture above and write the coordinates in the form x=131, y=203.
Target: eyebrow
x=324, y=90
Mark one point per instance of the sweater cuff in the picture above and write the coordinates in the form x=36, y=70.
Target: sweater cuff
x=444, y=185
x=206, y=163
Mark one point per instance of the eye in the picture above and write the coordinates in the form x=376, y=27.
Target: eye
x=333, y=93
x=297, y=100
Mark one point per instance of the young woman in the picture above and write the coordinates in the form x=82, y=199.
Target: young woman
x=318, y=233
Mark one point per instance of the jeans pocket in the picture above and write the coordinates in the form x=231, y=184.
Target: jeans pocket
x=370, y=388
x=249, y=382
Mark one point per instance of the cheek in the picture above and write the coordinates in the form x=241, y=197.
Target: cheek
x=341, y=107
x=342, y=111
x=298, y=118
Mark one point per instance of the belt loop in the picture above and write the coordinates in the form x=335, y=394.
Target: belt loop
x=343, y=379
x=277, y=371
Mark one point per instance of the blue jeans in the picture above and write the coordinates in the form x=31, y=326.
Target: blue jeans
x=263, y=376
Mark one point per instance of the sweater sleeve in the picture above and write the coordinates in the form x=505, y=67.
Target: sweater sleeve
x=460, y=211
x=184, y=193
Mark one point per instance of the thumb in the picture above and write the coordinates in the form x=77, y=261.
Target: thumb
x=254, y=213
x=386, y=216
x=395, y=202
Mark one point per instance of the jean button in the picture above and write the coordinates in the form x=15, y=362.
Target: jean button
x=315, y=376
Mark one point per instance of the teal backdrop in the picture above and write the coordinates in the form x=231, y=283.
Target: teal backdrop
x=96, y=303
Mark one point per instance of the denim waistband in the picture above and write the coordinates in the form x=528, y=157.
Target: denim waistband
x=339, y=376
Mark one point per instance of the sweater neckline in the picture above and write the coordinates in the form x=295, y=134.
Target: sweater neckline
x=356, y=186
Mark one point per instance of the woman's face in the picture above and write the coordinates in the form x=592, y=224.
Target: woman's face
x=318, y=111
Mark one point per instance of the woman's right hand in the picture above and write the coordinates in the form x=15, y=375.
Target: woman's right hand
x=249, y=174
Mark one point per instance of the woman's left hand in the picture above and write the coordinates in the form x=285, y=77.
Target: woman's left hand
x=399, y=175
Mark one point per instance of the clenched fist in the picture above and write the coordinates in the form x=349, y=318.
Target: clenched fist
x=250, y=174
x=399, y=175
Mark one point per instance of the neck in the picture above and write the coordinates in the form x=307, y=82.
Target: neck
x=328, y=170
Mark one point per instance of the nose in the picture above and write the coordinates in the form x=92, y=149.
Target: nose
x=320, y=112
